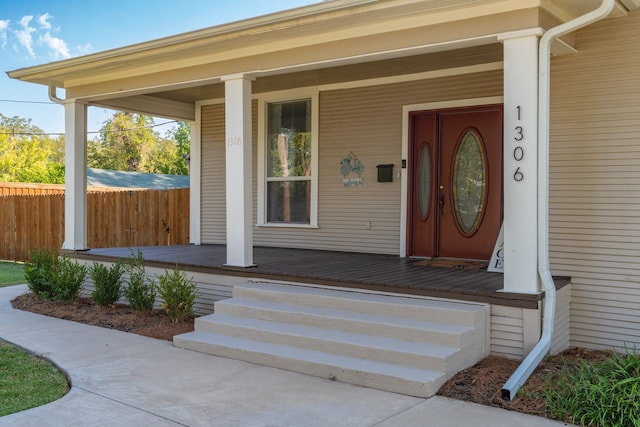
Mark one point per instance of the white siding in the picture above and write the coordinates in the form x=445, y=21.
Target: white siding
x=507, y=332
x=364, y=121
x=561, y=335
x=595, y=182
x=213, y=208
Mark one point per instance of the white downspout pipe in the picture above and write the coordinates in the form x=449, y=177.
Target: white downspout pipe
x=517, y=379
x=53, y=96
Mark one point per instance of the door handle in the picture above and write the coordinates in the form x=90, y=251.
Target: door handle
x=441, y=203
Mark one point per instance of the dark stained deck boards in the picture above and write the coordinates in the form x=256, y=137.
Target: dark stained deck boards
x=387, y=273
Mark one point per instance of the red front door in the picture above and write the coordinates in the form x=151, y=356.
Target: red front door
x=455, y=186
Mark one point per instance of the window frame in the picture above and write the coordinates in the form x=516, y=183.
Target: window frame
x=263, y=101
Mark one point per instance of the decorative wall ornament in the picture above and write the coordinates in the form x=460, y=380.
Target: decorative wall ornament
x=351, y=165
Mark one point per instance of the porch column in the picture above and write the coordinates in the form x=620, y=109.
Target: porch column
x=195, y=179
x=238, y=170
x=520, y=160
x=75, y=198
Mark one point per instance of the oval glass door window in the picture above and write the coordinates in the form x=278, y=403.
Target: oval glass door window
x=469, y=182
x=424, y=181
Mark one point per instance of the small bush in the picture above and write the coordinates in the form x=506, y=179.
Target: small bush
x=108, y=283
x=599, y=394
x=69, y=279
x=140, y=291
x=178, y=294
x=39, y=272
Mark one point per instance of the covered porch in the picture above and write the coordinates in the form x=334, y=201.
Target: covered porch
x=450, y=279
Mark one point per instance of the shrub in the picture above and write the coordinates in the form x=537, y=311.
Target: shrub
x=108, y=283
x=140, y=291
x=178, y=294
x=599, y=394
x=39, y=272
x=69, y=279
x=51, y=277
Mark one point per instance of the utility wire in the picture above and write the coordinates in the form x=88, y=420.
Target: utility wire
x=27, y=102
x=90, y=132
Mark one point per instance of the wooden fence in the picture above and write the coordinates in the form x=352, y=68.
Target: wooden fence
x=114, y=219
x=11, y=188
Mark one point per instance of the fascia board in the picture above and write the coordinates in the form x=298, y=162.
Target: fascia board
x=326, y=18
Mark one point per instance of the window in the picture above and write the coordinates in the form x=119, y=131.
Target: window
x=288, y=157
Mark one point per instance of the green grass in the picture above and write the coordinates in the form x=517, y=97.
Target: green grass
x=11, y=273
x=27, y=381
x=599, y=394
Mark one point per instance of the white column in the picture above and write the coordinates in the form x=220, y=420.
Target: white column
x=75, y=197
x=520, y=161
x=195, y=179
x=238, y=171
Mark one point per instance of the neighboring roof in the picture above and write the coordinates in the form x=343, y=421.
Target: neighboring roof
x=125, y=179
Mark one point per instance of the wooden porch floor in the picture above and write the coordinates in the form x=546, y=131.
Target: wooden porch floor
x=389, y=273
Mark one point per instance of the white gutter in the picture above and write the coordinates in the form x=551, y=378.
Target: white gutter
x=517, y=379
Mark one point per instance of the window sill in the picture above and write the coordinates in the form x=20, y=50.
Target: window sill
x=285, y=225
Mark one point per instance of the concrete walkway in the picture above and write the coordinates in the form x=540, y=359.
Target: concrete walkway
x=128, y=380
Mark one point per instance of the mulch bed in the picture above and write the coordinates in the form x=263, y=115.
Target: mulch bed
x=154, y=324
x=482, y=383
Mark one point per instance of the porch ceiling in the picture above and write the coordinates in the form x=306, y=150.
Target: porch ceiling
x=327, y=35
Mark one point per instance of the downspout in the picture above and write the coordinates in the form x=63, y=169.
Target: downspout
x=517, y=379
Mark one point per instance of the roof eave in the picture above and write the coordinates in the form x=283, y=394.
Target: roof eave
x=38, y=73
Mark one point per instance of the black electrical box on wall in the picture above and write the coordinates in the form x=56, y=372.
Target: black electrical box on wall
x=385, y=173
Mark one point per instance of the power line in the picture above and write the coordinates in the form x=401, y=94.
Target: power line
x=27, y=102
x=90, y=132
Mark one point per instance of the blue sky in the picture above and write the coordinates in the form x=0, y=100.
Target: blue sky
x=34, y=32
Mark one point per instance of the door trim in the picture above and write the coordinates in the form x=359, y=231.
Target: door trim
x=406, y=109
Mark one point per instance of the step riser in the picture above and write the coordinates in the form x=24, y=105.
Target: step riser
x=348, y=325
x=418, y=309
x=362, y=378
x=334, y=347
x=394, y=343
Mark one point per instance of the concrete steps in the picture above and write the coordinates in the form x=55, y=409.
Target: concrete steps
x=389, y=342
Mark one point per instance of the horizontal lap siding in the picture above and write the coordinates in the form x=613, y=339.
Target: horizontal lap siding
x=507, y=332
x=561, y=328
x=368, y=123
x=595, y=182
x=213, y=208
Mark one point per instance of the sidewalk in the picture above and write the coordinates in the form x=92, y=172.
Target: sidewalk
x=129, y=380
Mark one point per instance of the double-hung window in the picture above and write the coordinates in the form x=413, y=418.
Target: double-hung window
x=288, y=160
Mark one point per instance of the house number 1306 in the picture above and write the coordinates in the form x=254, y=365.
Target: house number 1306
x=518, y=151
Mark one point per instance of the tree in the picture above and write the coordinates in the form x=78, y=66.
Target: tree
x=128, y=142
x=163, y=158
x=125, y=142
x=182, y=136
x=27, y=154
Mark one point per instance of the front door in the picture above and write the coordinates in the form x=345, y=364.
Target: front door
x=455, y=185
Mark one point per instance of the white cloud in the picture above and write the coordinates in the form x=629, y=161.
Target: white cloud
x=24, y=35
x=85, y=49
x=57, y=45
x=4, y=25
x=35, y=36
x=44, y=21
